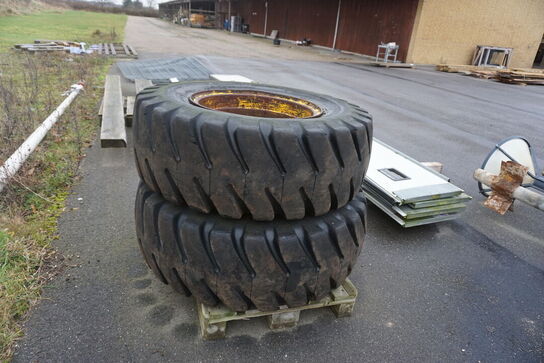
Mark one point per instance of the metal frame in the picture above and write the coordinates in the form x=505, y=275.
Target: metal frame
x=388, y=53
x=483, y=53
x=538, y=181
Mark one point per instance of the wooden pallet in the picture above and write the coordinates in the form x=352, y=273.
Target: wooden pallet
x=213, y=320
x=119, y=50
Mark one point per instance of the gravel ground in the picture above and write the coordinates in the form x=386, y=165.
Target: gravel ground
x=466, y=290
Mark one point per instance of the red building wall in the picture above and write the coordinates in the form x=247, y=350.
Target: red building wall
x=366, y=23
x=363, y=23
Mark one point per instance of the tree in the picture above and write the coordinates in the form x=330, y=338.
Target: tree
x=137, y=4
x=151, y=3
x=127, y=3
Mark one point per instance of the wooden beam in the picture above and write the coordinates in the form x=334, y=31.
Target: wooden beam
x=133, y=51
x=129, y=113
x=112, y=133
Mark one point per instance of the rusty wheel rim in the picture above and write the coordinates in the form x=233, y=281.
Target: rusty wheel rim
x=256, y=104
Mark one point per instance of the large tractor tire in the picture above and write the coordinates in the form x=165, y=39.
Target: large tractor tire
x=273, y=153
x=246, y=264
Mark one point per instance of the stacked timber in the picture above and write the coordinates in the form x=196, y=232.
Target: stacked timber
x=119, y=50
x=522, y=76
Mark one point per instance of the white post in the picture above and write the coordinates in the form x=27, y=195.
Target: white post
x=17, y=159
x=337, y=22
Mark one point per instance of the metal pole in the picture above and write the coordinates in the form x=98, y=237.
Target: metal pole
x=15, y=161
x=527, y=196
x=265, y=16
x=229, y=19
x=190, y=24
x=336, y=27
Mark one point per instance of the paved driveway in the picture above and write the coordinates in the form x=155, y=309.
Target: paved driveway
x=465, y=290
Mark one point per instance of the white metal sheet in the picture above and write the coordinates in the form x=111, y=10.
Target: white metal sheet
x=403, y=178
x=230, y=78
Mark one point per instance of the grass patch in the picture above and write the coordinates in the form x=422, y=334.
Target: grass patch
x=61, y=25
x=31, y=87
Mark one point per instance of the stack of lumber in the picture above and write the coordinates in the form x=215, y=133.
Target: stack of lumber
x=408, y=191
x=120, y=50
x=475, y=71
x=521, y=77
x=482, y=73
x=456, y=68
x=49, y=46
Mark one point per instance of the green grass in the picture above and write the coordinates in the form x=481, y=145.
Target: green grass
x=31, y=87
x=56, y=25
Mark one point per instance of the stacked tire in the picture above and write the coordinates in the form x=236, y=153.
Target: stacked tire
x=250, y=211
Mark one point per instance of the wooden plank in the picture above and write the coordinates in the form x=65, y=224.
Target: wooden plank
x=112, y=48
x=132, y=50
x=106, y=49
x=140, y=84
x=129, y=113
x=125, y=48
x=113, y=133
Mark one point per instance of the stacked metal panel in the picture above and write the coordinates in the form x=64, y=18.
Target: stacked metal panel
x=409, y=192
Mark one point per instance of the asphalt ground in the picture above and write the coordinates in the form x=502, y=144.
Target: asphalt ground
x=465, y=290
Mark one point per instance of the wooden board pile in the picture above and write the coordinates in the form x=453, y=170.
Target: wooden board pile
x=522, y=76
x=409, y=192
x=50, y=46
x=119, y=50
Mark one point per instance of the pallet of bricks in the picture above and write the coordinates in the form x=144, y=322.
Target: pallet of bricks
x=252, y=218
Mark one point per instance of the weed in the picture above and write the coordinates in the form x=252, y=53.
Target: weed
x=31, y=87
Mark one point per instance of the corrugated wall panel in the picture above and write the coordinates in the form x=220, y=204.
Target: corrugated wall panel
x=366, y=23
